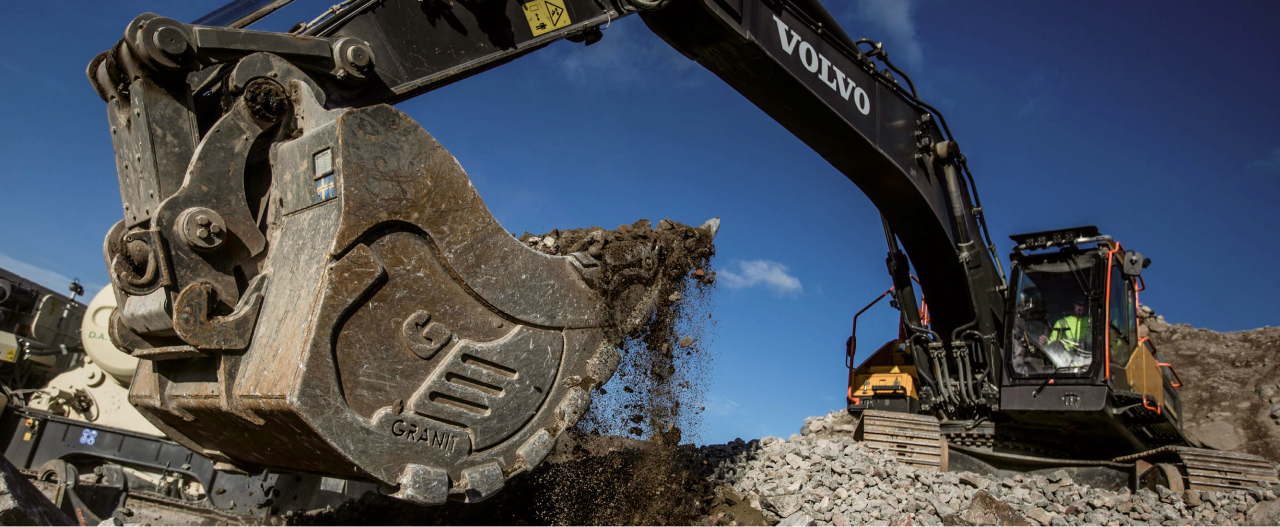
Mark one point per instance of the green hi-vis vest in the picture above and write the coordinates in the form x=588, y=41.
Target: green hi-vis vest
x=1070, y=328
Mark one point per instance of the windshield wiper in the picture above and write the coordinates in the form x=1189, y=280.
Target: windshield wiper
x=1049, y=381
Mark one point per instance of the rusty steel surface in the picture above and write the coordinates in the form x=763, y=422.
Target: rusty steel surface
x=318, y=288
x=394, y=331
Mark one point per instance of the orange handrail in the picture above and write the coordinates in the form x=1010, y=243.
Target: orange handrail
x=1155, y=408
x=1106, y=343
x=1177, y=383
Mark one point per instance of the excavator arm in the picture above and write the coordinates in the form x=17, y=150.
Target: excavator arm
x=791, y=59
x=317, y=286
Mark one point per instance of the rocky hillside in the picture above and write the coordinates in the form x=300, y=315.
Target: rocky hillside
x=1229, y=393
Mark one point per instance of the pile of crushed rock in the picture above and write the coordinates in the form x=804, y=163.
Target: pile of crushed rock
x=821, y=476
x=824, y=477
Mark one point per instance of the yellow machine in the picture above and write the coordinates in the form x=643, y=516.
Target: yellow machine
x=886, y=381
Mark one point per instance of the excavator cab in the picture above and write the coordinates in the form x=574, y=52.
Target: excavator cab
x=1072, y=349
x=1078, y=387
x=1052, y=329
x=1041, y=347
x=1071, y=356
x=1059, y=316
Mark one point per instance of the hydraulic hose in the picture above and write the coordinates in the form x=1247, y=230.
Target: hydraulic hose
x=976, y=339
x=942, y=380
x=35, y=351
x=982, y=218
x=913, y=97
x=946, y=378
x=957, y=203
x=938, y=371
x=884, y=57
x=968, y=374
x=957, y=333
x=939, y=367
x=962, y=360
x=930, y=375
x=962, y=372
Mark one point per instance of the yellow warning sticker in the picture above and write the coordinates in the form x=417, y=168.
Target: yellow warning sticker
x=545, y=15
x=8, y=347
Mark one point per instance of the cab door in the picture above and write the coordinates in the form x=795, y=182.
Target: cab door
x=1133, y=363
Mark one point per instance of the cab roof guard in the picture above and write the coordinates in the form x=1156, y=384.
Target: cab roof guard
x=1058, y=238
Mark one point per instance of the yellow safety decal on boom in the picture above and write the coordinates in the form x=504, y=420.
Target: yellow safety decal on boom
x=8, y=347
x=545, y=15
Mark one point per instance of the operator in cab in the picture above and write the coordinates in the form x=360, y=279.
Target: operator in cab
x=1070, y=329
x=1063, y=348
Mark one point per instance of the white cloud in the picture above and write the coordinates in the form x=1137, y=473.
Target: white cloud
x=767, y=273
x=895, y=19
x=1269, y=162
x=42, y=276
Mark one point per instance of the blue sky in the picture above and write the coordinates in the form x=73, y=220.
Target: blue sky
x=1153, y=121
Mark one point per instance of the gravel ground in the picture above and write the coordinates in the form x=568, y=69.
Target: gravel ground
x=824, y=478
x=820, y=476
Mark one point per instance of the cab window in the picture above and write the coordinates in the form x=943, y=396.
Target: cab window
x=1120, y=318
x=1052, y=333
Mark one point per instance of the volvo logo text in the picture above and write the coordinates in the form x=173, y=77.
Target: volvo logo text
x=820, y=65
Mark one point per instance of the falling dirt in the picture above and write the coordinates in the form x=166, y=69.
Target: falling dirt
x=624, y=463
x=657, y=393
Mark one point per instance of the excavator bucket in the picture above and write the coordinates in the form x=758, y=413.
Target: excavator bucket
x=368, y=317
